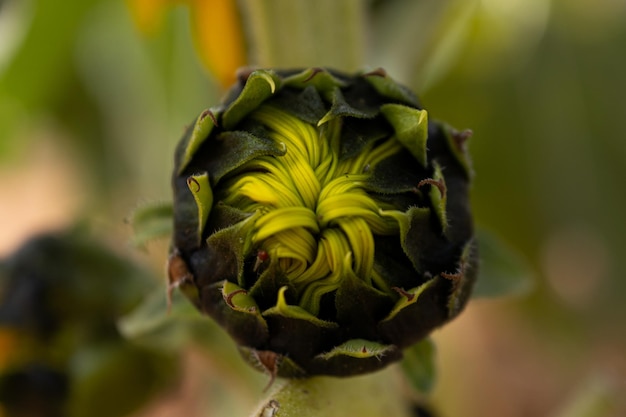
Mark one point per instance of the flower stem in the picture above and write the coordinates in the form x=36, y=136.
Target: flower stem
x=373, y=395
x=288, y=33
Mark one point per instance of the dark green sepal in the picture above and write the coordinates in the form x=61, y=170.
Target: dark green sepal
x=456, y=142
x=307, y=104
x=283, y=309
x=232, y=149
x=360, y=306
x=342, y=108
x=411, y=128
x=356, y=134
x=272, y=363
x=203, y=196
x=194, y=138
x=268, y=283
x=393, y=265
x=355, y=357
x=417, y=313
x=238, y=299
x=463, y=279
x=414, y=232
x=319, y=78
x=457, y=186
x=437, y=195
x=295, y=331
x=260, y=86
x=231, y=244
x=299, y=337
x=186, y=219
x=387, y=87
x=236, y=311
x=396, y=174
x=223, y=216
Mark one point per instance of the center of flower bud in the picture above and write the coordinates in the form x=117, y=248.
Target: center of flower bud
x=314, y=214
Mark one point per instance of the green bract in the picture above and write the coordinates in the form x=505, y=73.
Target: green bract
x=323, y=220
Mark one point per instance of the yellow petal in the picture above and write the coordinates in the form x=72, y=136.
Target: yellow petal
x=219, y=38
x=147, y=14
x=8, y=346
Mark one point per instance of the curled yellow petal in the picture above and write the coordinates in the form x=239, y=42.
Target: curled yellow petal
x=315, y=216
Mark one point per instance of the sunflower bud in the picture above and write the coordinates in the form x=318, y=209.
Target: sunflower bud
x=322, y=220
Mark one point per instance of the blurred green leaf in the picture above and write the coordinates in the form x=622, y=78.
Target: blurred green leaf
x=179, y=325
x=151, y=221
x=127, y=375
x=174, y=324
x=418, y=365
x=156, y=323
x=419, y=41
x=502, y=271
x=597, y=397
x=45, y=54
x=446, y=43
x=40, y=67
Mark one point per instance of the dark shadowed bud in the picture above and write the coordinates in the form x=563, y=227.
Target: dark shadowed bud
x=61, y=353
x=322, y=220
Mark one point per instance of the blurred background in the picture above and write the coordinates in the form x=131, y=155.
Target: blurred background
x=94, y=95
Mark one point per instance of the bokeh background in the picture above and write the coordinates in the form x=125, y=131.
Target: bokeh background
x=94, y=95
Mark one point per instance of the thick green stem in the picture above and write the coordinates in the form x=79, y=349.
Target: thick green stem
x=374, y=395
x=303, y=33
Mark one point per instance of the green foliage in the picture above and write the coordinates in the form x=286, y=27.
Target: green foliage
x=150, y=222
x=38, y=71
x=596, y=397
x=503, y=271
x=169, y=325
x=418, y=365
x=117, y=378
